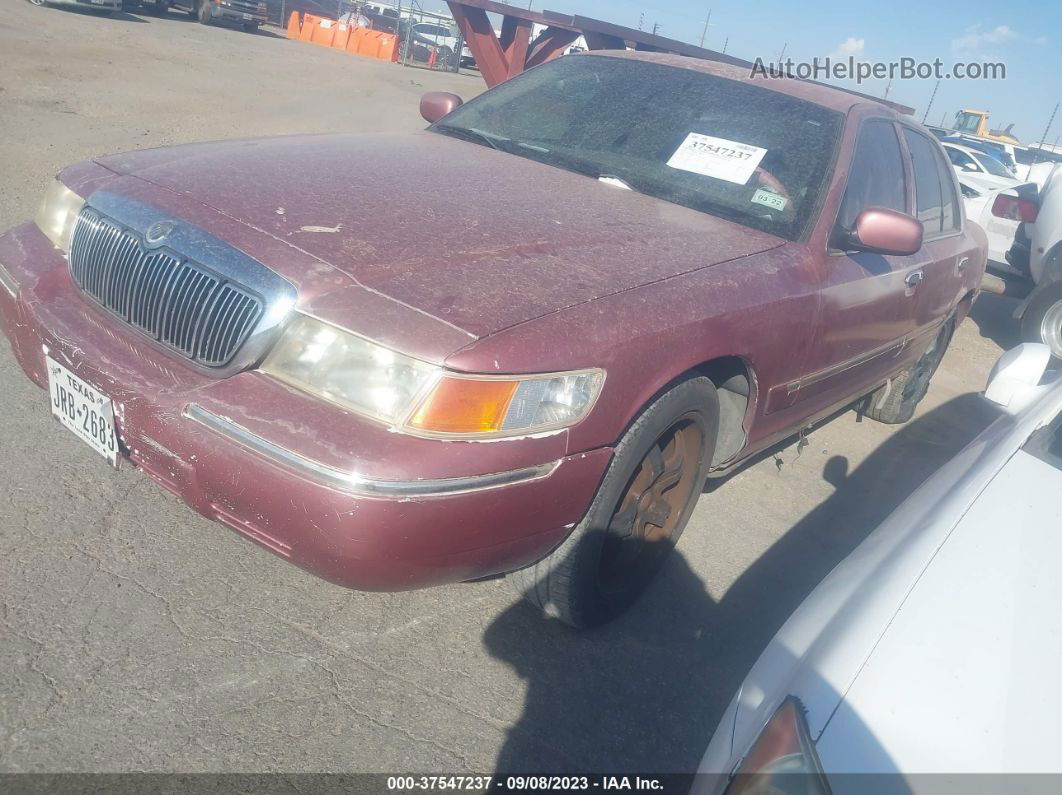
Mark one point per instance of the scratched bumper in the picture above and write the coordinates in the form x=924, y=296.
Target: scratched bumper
x=344, y=532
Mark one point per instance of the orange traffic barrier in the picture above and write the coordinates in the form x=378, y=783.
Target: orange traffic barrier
x=388, y=50
x=370, y=44
x=323, y=32
x=357, y=36
x=309, y=22
x=293, y=25
x=339, y=41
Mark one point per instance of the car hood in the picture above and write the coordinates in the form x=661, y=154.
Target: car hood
x=973, y=644
x=475, y=237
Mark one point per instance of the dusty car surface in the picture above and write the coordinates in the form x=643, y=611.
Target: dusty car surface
x=645, y=270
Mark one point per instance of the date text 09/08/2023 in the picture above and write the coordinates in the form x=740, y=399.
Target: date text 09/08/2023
x=524, y=783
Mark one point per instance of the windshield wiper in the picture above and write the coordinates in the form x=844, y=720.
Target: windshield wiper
x=470, y=134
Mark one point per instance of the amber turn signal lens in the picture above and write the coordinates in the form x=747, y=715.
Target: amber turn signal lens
x=460, y=405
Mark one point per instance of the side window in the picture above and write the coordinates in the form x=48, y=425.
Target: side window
x=952, y=216
x=875, y=178
x=928, y=199
x=960, y=159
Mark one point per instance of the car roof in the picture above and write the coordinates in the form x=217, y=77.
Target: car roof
x=831, y=97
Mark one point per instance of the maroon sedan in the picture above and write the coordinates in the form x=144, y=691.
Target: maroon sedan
x=517, y=341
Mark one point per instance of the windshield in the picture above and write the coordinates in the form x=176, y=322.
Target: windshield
x=991, y=165
x=749, y=154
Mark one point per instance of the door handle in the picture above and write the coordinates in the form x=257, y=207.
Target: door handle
x=961, y=267
x=914, y=278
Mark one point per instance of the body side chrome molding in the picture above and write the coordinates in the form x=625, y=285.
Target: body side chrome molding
x=8, y=281
x=352, y=483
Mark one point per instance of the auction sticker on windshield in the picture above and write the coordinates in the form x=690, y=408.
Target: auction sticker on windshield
x=717, y=157
x=83, y=409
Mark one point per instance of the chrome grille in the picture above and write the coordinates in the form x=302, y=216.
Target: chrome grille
x=171, y=299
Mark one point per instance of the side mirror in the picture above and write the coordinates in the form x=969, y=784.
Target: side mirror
x=969, y=167
x=436, y=104
x=1015, y=380
x=884, y=231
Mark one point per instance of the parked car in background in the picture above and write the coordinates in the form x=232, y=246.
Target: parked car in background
x=993, y=149
x=96, y=6
x=157, y=7
x=249, y=14
x=535, y=371
x=1006, y=215
x=1040, y=314
x=927, y=650
x=1029, y=157
x=978, y=168
x=430, y=42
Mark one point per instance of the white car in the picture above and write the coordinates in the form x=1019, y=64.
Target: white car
x=1040, y=313
x=979, y=168
x=935, y=646
x=1001, y=213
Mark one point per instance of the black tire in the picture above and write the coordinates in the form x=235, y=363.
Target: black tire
x=896, y=401
x=250, y=27
x=1042, y=321
x=40, y=3
x=204, y=12
x=160, y=9
x=604, y=566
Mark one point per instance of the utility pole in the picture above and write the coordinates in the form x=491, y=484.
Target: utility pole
x=641, y=21
x=931, y=98
x=944, y=119
x=781, y=55
x=725, y=43
x=1049, y=123
x=707, y=21
x=656, y=27
x=887, y=87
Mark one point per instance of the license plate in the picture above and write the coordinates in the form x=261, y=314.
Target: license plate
x=99, y=2
x=248, y=16
x=83, y=409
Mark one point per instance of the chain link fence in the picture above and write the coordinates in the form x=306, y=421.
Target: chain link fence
x=426, y=39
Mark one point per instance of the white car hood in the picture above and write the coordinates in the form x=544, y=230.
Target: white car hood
x=963, y=679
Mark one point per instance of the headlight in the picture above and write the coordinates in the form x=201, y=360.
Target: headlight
x=782, y=760
x=422, y=398
x=58, y=212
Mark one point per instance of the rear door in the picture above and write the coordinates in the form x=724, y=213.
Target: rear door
x=867, y=307
x=944, y=257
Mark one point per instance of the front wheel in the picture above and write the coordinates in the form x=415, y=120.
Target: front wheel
x=1042, y=321
x=250, y=27
x=637, y=515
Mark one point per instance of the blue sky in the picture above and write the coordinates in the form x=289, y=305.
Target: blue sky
x=1026, y=36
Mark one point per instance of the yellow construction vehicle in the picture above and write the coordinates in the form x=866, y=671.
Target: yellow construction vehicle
x=975, y=122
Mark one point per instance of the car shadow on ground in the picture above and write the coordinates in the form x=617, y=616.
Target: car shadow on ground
x=117, y=16
x=994, y=316
x=644, y=693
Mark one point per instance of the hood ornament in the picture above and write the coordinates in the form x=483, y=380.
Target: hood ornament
x=158, y=232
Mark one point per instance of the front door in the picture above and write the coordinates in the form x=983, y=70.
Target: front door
x=867, y=301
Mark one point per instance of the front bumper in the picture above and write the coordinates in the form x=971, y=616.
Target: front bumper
x=238, y=12
x=330, y=492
